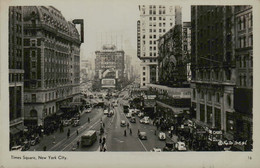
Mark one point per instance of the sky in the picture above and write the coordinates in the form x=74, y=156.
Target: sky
x=103, y=19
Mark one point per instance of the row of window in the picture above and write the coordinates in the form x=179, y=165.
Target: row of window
x=245, y=21
x=244, y=82
x=245, y=42
x=244, y=62
x=13, y=77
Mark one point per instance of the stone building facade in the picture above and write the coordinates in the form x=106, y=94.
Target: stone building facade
x=51, y=63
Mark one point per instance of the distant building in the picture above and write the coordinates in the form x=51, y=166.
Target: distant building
x=51, y=63
x=87, y=72
x=16, y=73
x=155, y=20
x=109, y=67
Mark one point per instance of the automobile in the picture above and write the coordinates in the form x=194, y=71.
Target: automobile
x=105, y=112
x=128, y=115
x=146, y=120
x=66, y=123
x=112, y=112
x=141, y=114
x=123, y=123
x=142, y=136
x=26, y=145
x=89, y=138
x=35, y=140
x=162, y=136
x=137, y=111
x=169, y=146
x=17, y=148
x=156, y=149
x=76, y=123
x=131, y=110
x=180, y=146
x=133, y=120
x=141, y=121
x=88, y=110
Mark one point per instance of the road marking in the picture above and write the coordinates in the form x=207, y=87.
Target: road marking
x=79, y=136
x=142, y=144
x=72, y=134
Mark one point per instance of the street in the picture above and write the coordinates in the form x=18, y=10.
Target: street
x=114, y=133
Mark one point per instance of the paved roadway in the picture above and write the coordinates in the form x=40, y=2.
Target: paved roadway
x=114, y=133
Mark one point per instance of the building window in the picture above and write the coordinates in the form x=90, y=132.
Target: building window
x=194, y=94
x=202, y=95
x=143, y=79
x=33, y=64
x=33, y=97
x=143, y=84
x=217, y=98
x=229, y=100
x=143, y=73
x=143, y=68
x=209, y=96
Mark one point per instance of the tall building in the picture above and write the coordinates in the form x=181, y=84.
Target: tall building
x=221, y=65
x=243, y=93
x=51, y=63
x=16, y=73
x=155, y=20
x=109, y=67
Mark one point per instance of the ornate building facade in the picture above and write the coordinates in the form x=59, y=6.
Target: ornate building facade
x=51, y=63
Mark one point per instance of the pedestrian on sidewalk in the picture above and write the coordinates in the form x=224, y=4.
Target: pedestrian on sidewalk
x=68, y=135
x=88, y=120
x=78, y=143
x=77, y=132
x=125, y=133
x=130, y=131
x=53, y=139
x=44, y=148
x=100, y=140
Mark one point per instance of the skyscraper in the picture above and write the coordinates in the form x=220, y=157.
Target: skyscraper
x=155, y=20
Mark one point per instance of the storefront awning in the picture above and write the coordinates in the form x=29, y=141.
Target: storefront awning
x=175, y=110
x=16, y=129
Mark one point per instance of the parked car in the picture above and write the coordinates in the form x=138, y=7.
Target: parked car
x=128, y=115
x=162, y=136
x=142, y=136
x=17, y=148
x=133, y=120
x=142, y=121
x=26, y=145
x=105, y=112
x=88, y=110
x=141, y=114
x=180, y=146
x=123, y=123
x=169, y=146
x=66, y=123
x=156, y=150
x=35, y=140
x=76, y=123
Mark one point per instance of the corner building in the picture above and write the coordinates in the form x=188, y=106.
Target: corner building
x=155, y=20
x=51, y=63
x=213, y=67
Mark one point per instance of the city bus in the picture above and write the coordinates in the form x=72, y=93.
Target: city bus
x=89, y=138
